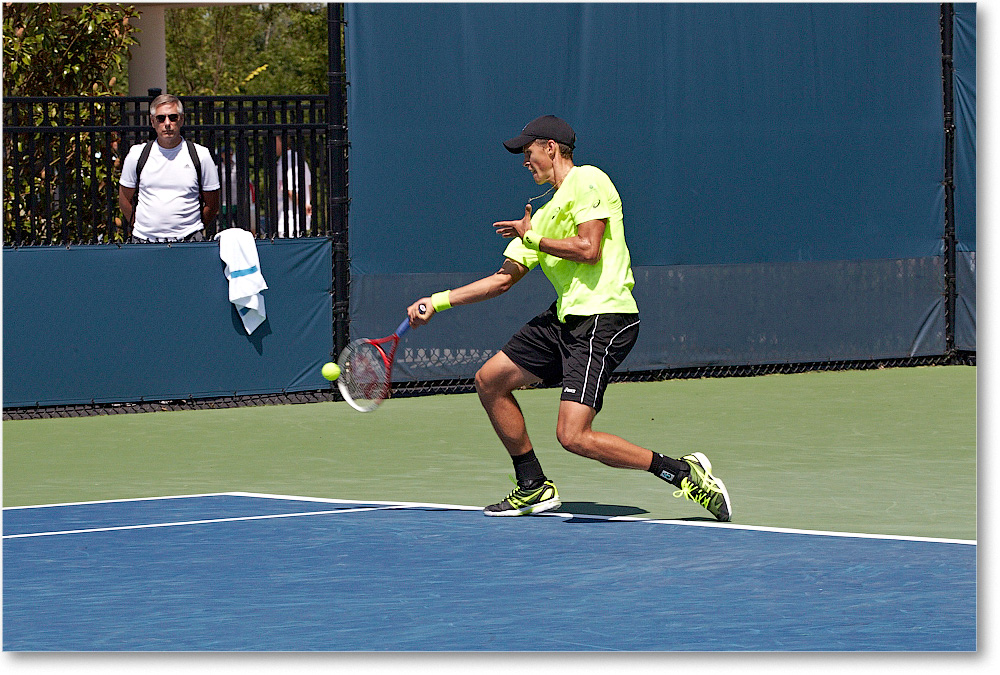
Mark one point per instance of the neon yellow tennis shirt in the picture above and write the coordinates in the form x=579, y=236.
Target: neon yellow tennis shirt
x=584, y=290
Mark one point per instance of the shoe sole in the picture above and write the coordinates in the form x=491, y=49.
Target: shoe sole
x=707, y=465
x=703, y=460
x=527, y=510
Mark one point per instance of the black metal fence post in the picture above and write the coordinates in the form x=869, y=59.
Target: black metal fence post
x=338, y=203
x=62, y=159
x=950, y=238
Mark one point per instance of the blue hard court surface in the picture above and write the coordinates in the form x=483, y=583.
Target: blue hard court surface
x=243, y=572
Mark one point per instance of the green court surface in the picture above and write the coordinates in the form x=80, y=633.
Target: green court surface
x=881, y=451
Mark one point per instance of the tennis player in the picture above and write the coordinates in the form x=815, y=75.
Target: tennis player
x=578, y=239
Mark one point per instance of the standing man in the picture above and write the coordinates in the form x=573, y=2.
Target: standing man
x=578, y=238
x=294, y=183
x=169, y=188
x=229, y=194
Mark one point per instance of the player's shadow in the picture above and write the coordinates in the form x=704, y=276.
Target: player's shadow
x=581, y=510
x=595, y=509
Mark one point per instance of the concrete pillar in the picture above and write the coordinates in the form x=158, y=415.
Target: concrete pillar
x=147, y=67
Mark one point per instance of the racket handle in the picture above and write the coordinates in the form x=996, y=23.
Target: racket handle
x=405, y=326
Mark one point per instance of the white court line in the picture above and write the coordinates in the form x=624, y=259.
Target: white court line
x=117, y=501
x=388, y=505
x=180, y=523
x=658, y=521
x=330, y=500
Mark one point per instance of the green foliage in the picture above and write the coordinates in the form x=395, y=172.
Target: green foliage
x=248, y=50
x=55, y=186
x=60, y=50
x=52, y=183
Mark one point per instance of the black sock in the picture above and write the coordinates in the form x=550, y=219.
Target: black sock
x=528, y=470
x=669, y=469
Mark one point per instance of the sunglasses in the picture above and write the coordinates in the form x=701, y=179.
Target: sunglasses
x=160, y=119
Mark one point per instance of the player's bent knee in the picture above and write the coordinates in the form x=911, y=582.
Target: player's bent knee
x=491, y=383
x=499, y=376
x=485, y=384
x=575, y=441
x=573, y=429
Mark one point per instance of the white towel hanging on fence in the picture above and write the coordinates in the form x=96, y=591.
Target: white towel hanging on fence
x=238, y=249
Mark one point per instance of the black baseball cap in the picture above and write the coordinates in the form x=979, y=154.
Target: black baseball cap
x=543, y=128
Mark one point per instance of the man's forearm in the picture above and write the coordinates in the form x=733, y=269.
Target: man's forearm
x=211, y=207
x=489, y=287
x=125, y=203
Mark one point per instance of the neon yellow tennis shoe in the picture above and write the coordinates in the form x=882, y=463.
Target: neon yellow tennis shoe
x=524, y=502
x=704, y=488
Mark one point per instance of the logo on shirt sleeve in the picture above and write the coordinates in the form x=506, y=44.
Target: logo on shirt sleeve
x=597, y=201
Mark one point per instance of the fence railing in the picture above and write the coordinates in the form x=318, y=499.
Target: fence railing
x=62, y=159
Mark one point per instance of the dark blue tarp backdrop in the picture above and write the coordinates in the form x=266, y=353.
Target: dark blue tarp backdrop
x=154, y=322
x=756, y=135
x=780, y=165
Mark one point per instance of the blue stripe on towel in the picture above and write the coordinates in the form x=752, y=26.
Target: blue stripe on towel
x=243, y=273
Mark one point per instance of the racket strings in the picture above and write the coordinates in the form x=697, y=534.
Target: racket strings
x=364, y=374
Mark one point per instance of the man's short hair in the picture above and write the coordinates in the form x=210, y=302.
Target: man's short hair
x=164, y=99
x=564, y=150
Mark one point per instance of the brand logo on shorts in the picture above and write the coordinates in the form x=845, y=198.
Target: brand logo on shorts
x=569, y=390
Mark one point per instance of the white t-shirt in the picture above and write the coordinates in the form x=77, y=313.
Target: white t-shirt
x=288, y=174
x=169, y=205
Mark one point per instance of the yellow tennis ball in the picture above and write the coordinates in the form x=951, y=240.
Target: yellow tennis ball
x=331, y=371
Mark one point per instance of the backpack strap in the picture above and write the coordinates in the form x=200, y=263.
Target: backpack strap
x=197, y=169
x=142, y=162
x=197, y=163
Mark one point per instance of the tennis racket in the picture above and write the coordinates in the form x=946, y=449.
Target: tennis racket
x=366, y=369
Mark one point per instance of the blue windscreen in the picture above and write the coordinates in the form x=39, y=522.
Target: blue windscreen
x=781, y=168
x=77, y=338
x=735, y=133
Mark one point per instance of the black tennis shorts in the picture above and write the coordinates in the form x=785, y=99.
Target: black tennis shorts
x=581, y=353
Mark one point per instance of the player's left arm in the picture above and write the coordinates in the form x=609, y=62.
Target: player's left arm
x=584, y=247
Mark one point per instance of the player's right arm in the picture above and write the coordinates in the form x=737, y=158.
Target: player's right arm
x=492, y=286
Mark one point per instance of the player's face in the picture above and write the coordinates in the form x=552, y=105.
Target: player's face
x=168, y=121
x=538, y=160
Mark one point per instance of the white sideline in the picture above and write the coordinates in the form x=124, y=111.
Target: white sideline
x=378, y=505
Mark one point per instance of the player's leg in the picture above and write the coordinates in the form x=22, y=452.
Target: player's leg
x=594, y=347
x=495, y=384
x=531, y=356
x=575, y=432
x=692, y=473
